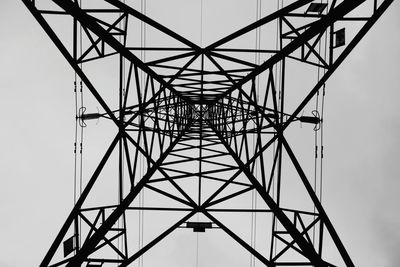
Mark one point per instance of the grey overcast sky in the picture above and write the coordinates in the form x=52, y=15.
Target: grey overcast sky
x=362, y=142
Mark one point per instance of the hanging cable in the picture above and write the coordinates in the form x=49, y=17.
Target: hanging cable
x=257, y=60
x=75, y=138
x=81, y=146
x=78, y=137
x=81, y=127
x=120, y=193
x=254, y=145
x=201, y=23
x=318, y=134
x=278, y=85
x=197, y=248
x=76, y=113
x=197, y=245
x=322, y=119
x=144, y=160
x=142, y=163
x=322, y=144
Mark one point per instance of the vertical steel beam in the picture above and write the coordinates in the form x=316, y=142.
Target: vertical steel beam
x=91, y=24
x=68, y=57
x=180, y=124
x=75, y=211
x=363, y=31
x=306, y=247
x=336, y=14
x=324, y=217
x=89, y=246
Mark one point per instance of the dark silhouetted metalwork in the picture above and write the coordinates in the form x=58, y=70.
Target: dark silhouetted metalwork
x=196, y=126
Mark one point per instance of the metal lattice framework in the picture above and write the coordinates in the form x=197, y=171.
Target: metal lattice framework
x=202, y=129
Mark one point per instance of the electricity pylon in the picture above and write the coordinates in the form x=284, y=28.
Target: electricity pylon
x=202, y=129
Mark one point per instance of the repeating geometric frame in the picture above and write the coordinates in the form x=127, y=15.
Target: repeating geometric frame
x=205, y=107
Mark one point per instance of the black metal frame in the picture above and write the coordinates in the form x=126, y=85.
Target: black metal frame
x=210, y=113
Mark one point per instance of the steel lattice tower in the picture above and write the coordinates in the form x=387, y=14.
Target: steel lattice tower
x=201, y=129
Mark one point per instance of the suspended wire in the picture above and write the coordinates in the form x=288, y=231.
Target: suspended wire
x=120, y=189
x=321, y=151
x=277, y=72
x=76, y=127
x=318, y=135
x=75, y=132
x=75, y=137
x=75, y=145
x=142, y=162
x=197, y=248
x=316, y=138
x=322, y=117
x=142, y=230
x=257, y=60
x=197, y=245
x=78, y=138
x=82, y=131
x=201, y=23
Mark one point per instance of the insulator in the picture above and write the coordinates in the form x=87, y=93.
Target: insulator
x=310, y=119
x=90, y=116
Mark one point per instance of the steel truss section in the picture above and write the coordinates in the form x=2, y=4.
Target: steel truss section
x=188, y=117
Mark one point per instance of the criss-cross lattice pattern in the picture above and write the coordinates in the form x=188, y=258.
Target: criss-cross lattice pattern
x=200, y=134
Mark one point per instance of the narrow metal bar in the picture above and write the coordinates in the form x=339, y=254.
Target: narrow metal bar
x=157, y=239
x=166, y=194
x=90, y=245
x=265, y=20
x=322, y=213
x=149, y=21
x=306, y=247
x=239, y=240
x=78, y=205
x=337, y=13
x=107, y=241
x=238, y=193
x=334, y=65
x=91, y=24
x=68, y=57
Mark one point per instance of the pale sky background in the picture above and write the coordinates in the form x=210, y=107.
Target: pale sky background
x=362, y=130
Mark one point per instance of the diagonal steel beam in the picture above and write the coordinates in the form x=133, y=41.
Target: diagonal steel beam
x=90, y=23
x=378, y=13
x=157, y=239
x=68, y=57
x=305, y=246
x=322, y=213
x=336, y=14
x=259, y=23
x=125, y=8
x=363, y=31
x=243, y=243
x=89, y=246
x=75, y=211
x=190, y=202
